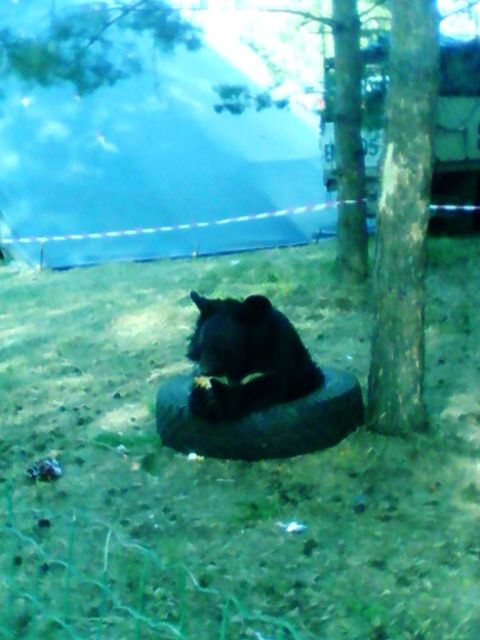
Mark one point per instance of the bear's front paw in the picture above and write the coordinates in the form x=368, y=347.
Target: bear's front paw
x=203, y=403
x=214, y=400
x=198, y=400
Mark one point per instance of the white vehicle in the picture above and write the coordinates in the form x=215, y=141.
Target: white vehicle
x=456, y=172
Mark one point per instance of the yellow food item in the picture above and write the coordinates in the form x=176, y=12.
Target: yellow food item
x=252, y=376
x=202, y=381
x=205, y=381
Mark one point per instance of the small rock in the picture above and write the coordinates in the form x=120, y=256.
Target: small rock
x=309, y=547
x=44, y=523
x=360, y=503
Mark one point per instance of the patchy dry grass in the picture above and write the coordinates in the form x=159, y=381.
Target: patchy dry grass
x=136, y=541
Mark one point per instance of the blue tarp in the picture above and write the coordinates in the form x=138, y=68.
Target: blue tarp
x=151, y=151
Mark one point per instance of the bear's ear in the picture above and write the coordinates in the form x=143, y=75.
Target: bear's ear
x=256, y=307
x=199, y=300
x=203, y=304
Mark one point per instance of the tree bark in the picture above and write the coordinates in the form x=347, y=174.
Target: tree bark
x=352, y=247
x=396, y=381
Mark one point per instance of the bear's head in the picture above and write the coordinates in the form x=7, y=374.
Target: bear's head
x=230, y=336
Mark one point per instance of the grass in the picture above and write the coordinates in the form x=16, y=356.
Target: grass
x=143, y=543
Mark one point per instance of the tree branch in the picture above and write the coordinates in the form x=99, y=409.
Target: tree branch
x=306, y=15
x=466, y=7
x=374, y=6
x=124, y=11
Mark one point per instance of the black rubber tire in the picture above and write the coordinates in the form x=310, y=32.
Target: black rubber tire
x=317, y=421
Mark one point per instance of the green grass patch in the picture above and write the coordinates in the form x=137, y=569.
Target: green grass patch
x=136, y=541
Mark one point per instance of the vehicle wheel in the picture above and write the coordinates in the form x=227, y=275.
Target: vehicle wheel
x=317, y=421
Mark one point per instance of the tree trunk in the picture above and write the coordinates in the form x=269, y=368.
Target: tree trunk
x=396, y=401
x=352, y=247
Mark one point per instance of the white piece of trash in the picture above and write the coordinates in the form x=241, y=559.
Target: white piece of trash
x=194, y=457
x=292, y=527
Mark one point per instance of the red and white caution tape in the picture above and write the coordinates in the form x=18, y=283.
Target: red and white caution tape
x=177, y=227
x=200, y=225
x=455, y=207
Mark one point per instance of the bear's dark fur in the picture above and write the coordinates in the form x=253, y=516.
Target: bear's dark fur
x=236, y=339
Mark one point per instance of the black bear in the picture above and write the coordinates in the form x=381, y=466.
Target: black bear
x=256, y=348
